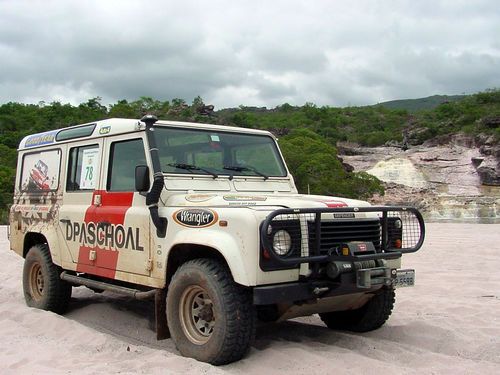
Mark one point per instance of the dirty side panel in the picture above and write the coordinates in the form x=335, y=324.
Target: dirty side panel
x=37, y=197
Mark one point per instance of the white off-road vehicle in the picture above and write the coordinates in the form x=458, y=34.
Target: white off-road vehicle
x=206, y=220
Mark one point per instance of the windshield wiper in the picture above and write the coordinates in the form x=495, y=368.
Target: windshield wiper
x=191, y=168
x=241, y=168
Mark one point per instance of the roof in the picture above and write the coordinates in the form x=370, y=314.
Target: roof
x=113, y=126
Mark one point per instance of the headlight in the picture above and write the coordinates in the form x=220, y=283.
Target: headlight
x=282, y=242
x=398, y=224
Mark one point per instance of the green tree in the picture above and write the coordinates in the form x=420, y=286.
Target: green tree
x=316, y=168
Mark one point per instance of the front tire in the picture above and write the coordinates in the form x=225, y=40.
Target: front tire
x=42, y=285
x=210, y=317
x=367, y=318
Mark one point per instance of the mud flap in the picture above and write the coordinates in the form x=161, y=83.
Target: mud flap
x=162, y=331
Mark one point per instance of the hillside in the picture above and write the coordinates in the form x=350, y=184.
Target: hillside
x=308, y=134
x=376, y=125
x=414, y=105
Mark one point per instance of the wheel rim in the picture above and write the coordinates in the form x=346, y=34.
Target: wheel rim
x=196, y=314
x=37, y=282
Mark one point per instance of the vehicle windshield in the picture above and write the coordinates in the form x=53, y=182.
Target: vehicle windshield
x=195, y=151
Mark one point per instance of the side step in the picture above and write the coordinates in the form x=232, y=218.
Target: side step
x=130, y=292
x=159, y=295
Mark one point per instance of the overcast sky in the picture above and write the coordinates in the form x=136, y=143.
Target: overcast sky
x=260, y=53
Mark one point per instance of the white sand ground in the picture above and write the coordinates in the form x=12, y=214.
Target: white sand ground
x=448, y=323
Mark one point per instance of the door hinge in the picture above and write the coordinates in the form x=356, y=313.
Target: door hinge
x=149, y=265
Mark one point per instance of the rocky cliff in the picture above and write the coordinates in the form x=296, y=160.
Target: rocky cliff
x=449, y=178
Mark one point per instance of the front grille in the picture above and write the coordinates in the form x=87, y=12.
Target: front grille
x=290, y=237
x=336, y=232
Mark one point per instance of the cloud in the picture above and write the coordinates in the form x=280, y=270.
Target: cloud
x=252, y=53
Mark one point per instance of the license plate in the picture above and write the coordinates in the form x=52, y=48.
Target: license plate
x=404, y=278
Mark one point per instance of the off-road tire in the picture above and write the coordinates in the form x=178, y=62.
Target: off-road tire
x=42, y=285
x=231, y=314
x=367, y=318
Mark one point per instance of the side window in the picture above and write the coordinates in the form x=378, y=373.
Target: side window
x=83, y=168
x=40, y=171
x=124, y=157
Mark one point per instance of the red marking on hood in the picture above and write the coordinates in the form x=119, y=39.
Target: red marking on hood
x=113, y=208
x=334, y=204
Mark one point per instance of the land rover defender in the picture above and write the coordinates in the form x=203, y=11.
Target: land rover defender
x=206, y=221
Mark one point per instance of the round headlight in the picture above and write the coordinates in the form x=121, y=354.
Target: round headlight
x=282, y=242
x=398, y=224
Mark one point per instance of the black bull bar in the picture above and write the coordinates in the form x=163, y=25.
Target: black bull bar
x=317, y=234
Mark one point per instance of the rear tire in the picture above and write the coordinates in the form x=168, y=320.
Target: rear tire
x=210, y=317
x=42, y=285
x=367, y=318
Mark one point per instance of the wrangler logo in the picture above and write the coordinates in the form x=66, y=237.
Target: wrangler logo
x=109, y=236
x=195, y=218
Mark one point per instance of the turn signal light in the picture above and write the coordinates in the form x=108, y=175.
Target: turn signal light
x=398, y=244
x=266, y=254
x=345, y=251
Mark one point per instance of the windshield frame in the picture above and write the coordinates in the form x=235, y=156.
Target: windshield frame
x=223, y=172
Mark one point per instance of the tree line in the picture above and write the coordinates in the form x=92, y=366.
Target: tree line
x=307, y=134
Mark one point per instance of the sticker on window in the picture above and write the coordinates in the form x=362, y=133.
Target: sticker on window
x=214, y=138
x=41, y=171
x=89, y=172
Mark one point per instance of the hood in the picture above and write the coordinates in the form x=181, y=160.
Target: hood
x=259, y=200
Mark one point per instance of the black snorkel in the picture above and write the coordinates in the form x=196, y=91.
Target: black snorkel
x=153, y=196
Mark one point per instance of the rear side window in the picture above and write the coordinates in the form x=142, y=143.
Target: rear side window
x=72, y=133
x=124, y=157
x=83, y=168
x=40, y=171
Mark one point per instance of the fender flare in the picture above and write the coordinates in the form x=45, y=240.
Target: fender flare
x=227, y=246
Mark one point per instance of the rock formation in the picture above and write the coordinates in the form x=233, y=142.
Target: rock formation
x=450, y=178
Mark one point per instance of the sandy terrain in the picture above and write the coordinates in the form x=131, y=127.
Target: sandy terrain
x=448, y=323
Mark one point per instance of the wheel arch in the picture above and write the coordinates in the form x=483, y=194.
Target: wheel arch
x=31, y=239
x=181, y=253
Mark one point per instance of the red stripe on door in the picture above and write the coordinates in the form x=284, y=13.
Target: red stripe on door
x=112, y=210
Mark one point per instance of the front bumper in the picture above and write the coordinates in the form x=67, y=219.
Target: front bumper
x=359, y=281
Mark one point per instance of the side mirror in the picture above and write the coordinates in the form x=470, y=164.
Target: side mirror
x=142, y=178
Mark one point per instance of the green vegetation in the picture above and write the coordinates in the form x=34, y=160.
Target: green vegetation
x=376, y=125
x=308, y=134
x=316, y=168
x=414, y=105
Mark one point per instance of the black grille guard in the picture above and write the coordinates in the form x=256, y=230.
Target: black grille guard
x=412, y=233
